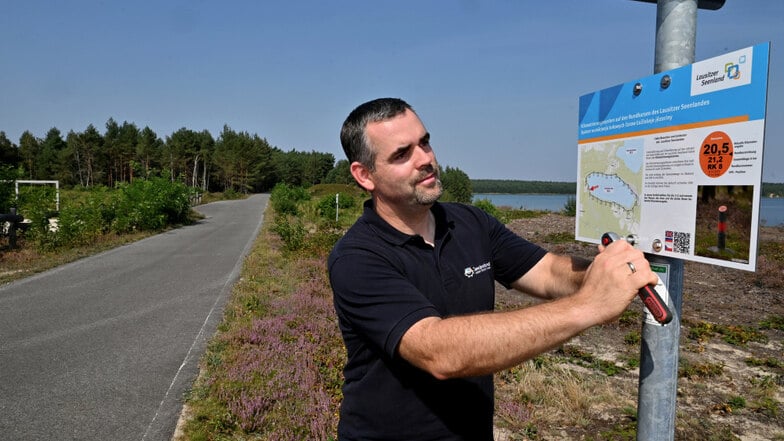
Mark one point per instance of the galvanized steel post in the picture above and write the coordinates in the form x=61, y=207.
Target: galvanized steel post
x=676, y=26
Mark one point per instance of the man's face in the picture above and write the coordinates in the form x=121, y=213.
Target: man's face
x=406, y=171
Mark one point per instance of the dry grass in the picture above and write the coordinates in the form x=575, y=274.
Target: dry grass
x=731, y=373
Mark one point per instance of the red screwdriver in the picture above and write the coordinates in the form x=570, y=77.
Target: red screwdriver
x=652, y=300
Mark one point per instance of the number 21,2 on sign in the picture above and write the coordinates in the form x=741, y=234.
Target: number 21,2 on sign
x=716, y=154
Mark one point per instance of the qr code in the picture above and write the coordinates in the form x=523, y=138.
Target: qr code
x=677, y=242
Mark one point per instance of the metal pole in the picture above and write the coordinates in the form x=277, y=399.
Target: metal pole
x=676, y=25
x=676, y=34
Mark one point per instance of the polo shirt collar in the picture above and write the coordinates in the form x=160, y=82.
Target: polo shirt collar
x=396, y=237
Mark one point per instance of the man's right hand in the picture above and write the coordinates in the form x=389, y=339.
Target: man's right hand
x=610, y=285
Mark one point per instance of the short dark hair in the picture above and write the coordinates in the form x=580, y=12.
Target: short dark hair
x=352, y=134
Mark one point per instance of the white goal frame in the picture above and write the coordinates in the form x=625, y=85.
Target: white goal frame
x=38, y=182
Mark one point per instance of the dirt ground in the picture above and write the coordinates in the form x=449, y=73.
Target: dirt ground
x=731, y=385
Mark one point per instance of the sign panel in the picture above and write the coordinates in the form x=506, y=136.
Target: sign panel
x=675, y=159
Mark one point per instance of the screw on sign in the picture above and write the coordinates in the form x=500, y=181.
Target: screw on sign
x=716, y=154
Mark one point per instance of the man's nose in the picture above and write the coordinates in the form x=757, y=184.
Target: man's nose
x=424, y=156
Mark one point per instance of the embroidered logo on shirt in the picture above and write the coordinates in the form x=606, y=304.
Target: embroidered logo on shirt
x=472, y=271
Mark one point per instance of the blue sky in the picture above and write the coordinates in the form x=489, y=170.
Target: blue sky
x=496, y=82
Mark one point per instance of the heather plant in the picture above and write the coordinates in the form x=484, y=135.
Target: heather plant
x=291, y=230
x=274, y=370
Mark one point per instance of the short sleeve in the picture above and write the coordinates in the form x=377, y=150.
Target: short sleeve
x=374, y=299
x=513, y=256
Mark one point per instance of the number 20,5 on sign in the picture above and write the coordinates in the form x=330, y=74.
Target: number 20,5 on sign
x=716, y=154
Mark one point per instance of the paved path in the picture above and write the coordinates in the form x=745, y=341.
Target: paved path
x=104, y=348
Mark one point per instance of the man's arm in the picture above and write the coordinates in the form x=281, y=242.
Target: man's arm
x=481, y=344
x=553, y=277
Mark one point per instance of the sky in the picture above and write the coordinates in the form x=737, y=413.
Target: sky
x=496, y=82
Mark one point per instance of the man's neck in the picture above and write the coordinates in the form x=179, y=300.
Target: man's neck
x=418, y=220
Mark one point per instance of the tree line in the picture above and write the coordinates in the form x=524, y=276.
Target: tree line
x=775, y=189
x=234, y=161
x=519, y=187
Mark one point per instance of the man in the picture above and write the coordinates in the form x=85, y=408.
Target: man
x=413, y=282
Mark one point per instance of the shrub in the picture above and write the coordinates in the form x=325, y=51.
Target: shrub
x=570, y=207
x=276, y=373
x=291, y=231
x=7, y=176
x=284, y=198
x=326, y=205
x=150, y=205
x=489, y=208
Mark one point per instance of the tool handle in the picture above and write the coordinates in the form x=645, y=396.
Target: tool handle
x=648, y=294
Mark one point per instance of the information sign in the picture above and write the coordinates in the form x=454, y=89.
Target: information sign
x=675, y=159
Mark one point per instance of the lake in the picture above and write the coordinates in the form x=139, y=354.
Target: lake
x=771, y=209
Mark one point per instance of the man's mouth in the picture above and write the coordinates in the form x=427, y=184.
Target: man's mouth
x=428, y=179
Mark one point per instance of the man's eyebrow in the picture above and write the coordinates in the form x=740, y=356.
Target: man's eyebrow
x=400, y=150
x=425, y=139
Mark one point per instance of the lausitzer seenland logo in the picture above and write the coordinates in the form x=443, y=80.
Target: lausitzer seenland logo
x=731, y=70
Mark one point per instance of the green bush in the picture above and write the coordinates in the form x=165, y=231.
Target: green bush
x=7, y=197
x=326, y=205
x=148, y=205
x=490, y=209
x=570, y=207
x=291, y=231
x=284, y=199
x=37, y=204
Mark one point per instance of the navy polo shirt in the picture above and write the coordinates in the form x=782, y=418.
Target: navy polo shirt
x=383, y=282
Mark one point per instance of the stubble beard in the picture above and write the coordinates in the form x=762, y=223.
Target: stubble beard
x=428, y=196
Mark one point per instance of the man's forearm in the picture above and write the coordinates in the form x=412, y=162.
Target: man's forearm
x=555, y=276
x=481, y=344
x=485, y=343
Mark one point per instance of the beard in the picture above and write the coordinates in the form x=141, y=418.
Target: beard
x=428, y=195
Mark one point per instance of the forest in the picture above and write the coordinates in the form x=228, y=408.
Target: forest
x=520, y=187
x=232, y=161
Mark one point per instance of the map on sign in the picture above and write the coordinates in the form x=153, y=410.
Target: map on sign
x=612, y=181
x=675, y=159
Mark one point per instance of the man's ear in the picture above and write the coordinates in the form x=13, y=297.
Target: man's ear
x=362, y=175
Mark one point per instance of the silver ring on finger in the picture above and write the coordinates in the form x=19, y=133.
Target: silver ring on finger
x=631, y=267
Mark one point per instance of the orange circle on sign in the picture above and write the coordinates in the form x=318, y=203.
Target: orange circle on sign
x=716, y=154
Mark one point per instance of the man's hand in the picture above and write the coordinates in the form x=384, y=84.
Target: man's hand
x=480, y=344
x=610, y=284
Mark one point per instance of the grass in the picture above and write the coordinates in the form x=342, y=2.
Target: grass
x=273, y=370
x=737, y=335
x=571, y=387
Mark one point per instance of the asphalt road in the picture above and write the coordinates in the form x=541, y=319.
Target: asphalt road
x=104, y=348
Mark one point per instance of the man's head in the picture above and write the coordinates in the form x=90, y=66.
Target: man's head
x=389, y=152
x=353, y=136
